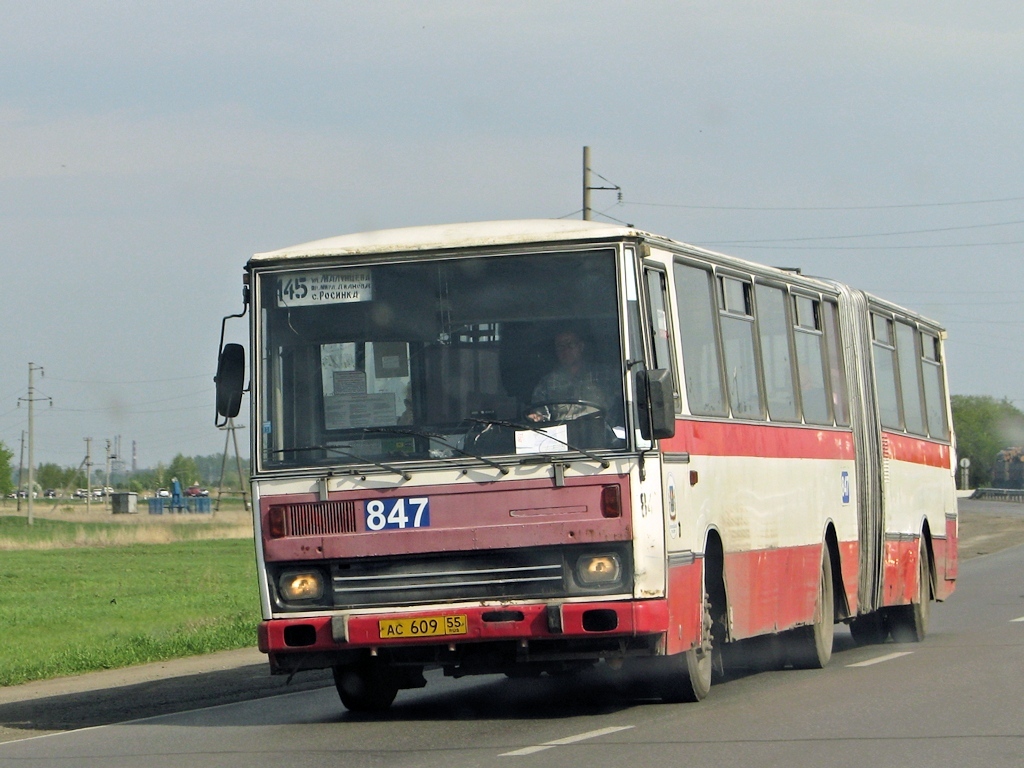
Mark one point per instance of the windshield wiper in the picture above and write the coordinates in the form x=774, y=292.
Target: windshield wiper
x=400, y=472
x=439, y=438
x=540, y=431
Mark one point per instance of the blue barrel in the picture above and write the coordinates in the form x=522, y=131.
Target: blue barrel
x=156, y=506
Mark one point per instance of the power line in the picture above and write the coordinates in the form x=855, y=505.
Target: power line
x=823, y=207
x=872, y=234
x=141, y=381
x=850, y=247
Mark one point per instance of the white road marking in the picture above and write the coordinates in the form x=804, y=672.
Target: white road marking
x=566, y=740
x=1020, y=619
x=880, y=659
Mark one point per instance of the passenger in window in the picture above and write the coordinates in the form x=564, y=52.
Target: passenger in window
x=574, y=387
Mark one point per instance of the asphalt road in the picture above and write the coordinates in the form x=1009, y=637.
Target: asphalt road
x=954, y=699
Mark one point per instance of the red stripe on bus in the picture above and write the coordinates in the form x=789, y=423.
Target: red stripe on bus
x=774, y=441
x=915, y=450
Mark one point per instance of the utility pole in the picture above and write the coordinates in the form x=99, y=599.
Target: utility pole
x=586, y=183
x=88, y=475
x=230, y=428
x=31, y=400
x=588, y=187
x=21, y=468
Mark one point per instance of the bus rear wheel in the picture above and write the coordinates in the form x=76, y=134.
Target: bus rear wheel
x=811, y=647
x=366, y=686
x=869, y=629
x=909, y=623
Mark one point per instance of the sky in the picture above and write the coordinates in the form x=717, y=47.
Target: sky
x=147, y=149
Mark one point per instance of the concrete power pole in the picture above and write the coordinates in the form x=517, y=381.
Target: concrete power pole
x=21, y=468
x=586, y=184
x=88, y=475
x=31, y=400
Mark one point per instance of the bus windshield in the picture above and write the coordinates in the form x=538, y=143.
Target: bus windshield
x=440, y=359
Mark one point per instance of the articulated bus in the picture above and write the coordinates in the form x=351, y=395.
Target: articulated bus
x=529, y=447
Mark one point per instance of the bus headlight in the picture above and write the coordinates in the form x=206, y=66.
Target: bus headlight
x=301, y=585
x=598, y=570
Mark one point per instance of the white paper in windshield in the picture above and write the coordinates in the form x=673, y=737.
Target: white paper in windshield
x=545, y=440
x=326, y=286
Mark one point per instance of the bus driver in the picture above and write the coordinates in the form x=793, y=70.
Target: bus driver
x=565, y=392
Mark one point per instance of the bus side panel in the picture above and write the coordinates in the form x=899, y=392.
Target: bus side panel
x=918, y=492
x=900, y=575
x=849, y=563
x=685, y=606
x=770, y=491
x=772, y=590
x=952, y=559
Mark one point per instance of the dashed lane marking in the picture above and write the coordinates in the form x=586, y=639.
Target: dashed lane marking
x=880, y=659
x=566, y=740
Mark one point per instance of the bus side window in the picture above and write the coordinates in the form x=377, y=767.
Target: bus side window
x=810, y=363
x=910, y=378
x=773, y=332
x=934, y=400
x=702, y=366
x=883, y=353
x=736, y=317
x=836, y=368
x=661, y=336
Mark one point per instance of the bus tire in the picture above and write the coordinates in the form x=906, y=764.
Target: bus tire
x=869, y=629
x=366, y=687
x=811, y=647
x=909, y=623
x=687, y=676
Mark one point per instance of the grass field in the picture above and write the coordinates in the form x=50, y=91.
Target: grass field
x=81, y=596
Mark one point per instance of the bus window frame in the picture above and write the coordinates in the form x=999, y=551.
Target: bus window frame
x=648, y=266
x=722, y=274
x=798, y=292
x=787, y=310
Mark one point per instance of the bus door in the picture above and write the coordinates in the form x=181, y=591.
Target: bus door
x=663, y=481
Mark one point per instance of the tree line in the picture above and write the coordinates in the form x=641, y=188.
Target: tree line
x=189, y=470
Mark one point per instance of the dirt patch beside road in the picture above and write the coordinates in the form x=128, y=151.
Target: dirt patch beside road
x=989, y=526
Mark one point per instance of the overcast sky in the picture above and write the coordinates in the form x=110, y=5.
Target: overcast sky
x=148, y=149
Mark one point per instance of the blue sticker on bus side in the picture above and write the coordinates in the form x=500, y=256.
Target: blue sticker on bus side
x=397, y=514
x=845, y=480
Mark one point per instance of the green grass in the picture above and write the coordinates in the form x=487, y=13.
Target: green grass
x=68, y=611
x=15, y=533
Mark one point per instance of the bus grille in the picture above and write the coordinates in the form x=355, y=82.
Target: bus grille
x=317, y=518
x=513, y=574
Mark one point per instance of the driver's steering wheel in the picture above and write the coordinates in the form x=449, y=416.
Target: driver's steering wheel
x=559, y=411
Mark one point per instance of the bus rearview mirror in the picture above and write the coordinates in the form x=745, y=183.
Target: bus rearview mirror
x=657, y=404
x=230, y=380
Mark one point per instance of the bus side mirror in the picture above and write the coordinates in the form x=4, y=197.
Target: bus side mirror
x=656, y=404
x=230, y=380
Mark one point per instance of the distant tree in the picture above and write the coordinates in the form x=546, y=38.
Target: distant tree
x=6, y=471
x=184, y=468
x=984, y=426
x=51, y=476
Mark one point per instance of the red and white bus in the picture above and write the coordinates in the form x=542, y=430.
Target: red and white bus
x=533, y=446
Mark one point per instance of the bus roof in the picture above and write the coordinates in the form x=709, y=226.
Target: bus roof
x=437, y=237
x=442, y=236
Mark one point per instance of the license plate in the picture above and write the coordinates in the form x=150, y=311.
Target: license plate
x=432, y=626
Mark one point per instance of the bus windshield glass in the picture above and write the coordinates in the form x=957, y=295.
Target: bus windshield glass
x=440, y=359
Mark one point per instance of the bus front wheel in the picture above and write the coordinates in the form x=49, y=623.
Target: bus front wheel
x=366, y=686
x=687, y=676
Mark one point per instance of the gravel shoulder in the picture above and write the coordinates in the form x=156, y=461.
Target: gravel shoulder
x=113, y=696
